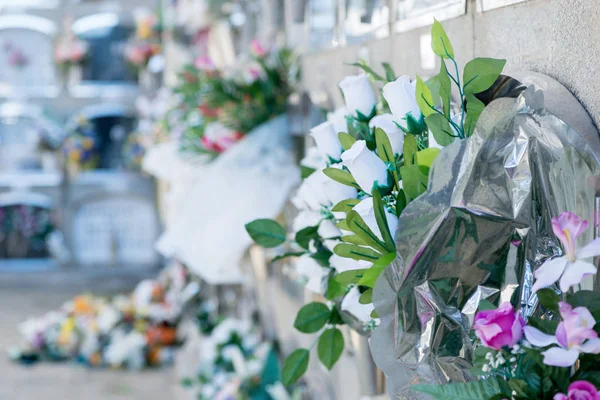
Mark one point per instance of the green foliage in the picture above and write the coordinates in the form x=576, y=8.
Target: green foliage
x=440, y=43
x=345, y=205
x=312, y=317
x=390, y=75
x=481, y=73
x=350, y=277
x=357, y=225
x=371, y=274
x=341, y=176
x=346, y=140
x=424, y=98
x=356, y=252
x=476, y=390
x=362, y=64
x=287, y=255
x=382, y=223
x=330, y=347
x=266, y=232
x=304, y=236
x=441, y=129
x=295, y=366
x=549, y=299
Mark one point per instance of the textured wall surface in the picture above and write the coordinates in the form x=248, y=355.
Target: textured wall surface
x=560, y=38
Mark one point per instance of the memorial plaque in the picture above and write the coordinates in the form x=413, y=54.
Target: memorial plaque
x=366, y=19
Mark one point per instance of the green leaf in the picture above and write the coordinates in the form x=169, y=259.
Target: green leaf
x=304, y=236
x=481, y=73
x=382, y=223
x=441, y=129
x=411, y=150
x=343, y=225
x=330, y=347
x=341, y=176
x=354, y=239
x=485, y=305
x=549, y=299
x=476, y=390
x=356, y=252
x=357, y=225
x=306, y=171
x=345, y=205
x=295, y=366
x=586, y=298
x=440, y=43
x=433, y=84
x=334, y=289
x=474, y=109
x=286, y=255
x=312, y=317
x=322, y=257
x=371, y=274
x=546, y=326
x=427, y=156
x=390, y=75
x=369, y=71
x=366, y=297
x=384, y=147
x=424, y=98
x=350, y=277
x=346, y=140
x=336, y=318
x=445, y=89
x=266, y=232
x=401, y=202
x=413, y=181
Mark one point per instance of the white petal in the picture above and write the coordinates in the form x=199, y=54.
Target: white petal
x=558, y=357
x=592, y=249
x=592, y=346
x=574, y=274
x=549, y=273
x=538, y=338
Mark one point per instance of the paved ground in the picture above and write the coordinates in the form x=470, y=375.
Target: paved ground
x=20, y=298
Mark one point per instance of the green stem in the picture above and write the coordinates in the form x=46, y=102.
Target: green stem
x=460, y=90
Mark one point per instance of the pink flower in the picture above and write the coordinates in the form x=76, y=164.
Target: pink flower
x=205, y=63
x=580, y=390
x=574, y=335
x=257, y=48
x=500, y=327
x=570, y=269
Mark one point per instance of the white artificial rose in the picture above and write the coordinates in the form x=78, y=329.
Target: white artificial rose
x=401, y=97
x=335, y=191
x=107, y=319
x=338, y=119
x=387, y=122
x=313, y=159
x=328, y=230
x=327, y=140
x=343, y=264
x=305, y=219
x=358, y=94
x=365, y=166
x=309, y=269
x=310, y=193
x=366, y=211
x=351, y=304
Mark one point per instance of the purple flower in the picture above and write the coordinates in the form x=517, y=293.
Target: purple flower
x=500, y=327
x=580, y=390
x=574, y=335
x=570, y=269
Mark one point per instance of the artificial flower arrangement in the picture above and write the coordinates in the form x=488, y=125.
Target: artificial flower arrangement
x=136, y=331
x=80, y=148
x=220, y=107
x=554, y=357
x=24, y=230
x=236, y=364
x=372, y=158
x=146, y=43
x=70, y=51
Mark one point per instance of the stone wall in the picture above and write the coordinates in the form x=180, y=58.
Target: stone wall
x=557, y=37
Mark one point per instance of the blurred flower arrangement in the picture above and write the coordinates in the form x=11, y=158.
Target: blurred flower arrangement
x=136, y=331
x=236, y=364
x=15, y=56
x=70, y=51
x=554, y=357
x=24, y=230
x=81, y=146
x=372, y=158
x=146, y=43
x=219, y=107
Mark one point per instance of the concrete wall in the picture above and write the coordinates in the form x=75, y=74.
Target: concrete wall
x=557, y=37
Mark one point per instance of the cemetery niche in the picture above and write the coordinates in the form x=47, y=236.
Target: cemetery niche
x=111, y=209
x=26, y=56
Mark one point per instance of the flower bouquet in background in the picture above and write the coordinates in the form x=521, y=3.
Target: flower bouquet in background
x=220, y=107
x=70, y=53
x=126, y=331
x=555, y=357
x=372, y=158
x=15, y=56
x=144, y=50
x=24, y=231
x=236, y=364
x=80, y=148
